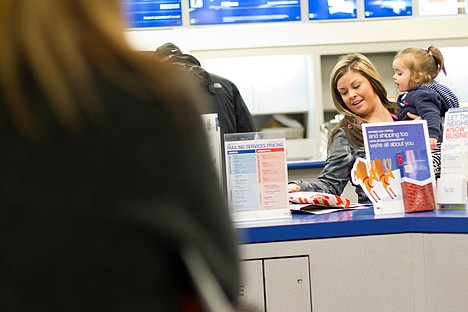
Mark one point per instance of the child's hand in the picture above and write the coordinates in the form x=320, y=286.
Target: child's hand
x=293, y=187
x=433, y=143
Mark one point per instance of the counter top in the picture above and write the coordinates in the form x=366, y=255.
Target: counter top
x=351, y=223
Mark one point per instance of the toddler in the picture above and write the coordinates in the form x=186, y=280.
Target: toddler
x=415, y=70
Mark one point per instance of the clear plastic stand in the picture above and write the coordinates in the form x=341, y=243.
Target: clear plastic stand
x=256, y=175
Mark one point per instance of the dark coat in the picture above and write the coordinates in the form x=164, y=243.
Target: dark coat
x=221, y=94
x=97, y=223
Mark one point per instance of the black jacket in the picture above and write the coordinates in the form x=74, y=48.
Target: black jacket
x=232, y=111
x=221, y=94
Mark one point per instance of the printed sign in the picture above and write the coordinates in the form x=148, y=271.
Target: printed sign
x=397, y=174
x=256, y=174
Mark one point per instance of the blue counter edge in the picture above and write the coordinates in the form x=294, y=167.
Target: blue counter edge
x=305, y=227
x=306, y=164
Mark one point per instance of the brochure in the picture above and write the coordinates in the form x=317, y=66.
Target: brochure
x=455, y=144
x=452, y=186
x=397, y=174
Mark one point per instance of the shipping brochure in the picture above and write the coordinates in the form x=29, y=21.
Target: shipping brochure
x=452, y=186
x=455, y=144
x=397, y=174
x=256, y=175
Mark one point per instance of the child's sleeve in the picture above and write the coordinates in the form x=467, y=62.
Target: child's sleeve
x=428, y=104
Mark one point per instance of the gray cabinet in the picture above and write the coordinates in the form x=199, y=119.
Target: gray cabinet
x=287, y=284
x=446, y=265
x=251, y=290
x=408, y=272
x=276, y=285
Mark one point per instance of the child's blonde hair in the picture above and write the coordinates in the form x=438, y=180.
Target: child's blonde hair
x=423, y=63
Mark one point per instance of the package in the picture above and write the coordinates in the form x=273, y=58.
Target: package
x=319, y=199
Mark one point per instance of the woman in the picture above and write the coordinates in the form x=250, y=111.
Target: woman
x=107, y=187
x=359, y=95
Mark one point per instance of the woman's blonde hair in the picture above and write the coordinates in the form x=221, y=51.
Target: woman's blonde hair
x=425, y=64
x=351, y=123
x=60, y=44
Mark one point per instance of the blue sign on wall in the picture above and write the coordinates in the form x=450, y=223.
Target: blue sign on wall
x=205, y=12
x=151, y=13
x=387, y=8
x=332, y=9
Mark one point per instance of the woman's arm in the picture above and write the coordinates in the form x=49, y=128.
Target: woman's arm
x=337, y=171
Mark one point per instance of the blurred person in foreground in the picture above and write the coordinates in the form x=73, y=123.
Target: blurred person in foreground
x=93, y=215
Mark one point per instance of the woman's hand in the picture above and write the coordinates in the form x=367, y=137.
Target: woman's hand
x=433, y=143
x=293, y=187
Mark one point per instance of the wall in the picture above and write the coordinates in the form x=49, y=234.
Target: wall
x=294, y=34
x=323, y=41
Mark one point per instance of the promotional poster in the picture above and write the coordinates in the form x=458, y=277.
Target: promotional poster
x=397, y=174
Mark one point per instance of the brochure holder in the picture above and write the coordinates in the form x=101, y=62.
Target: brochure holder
x=256, y=175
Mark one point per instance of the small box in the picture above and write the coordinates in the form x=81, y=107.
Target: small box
x=452, y=190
